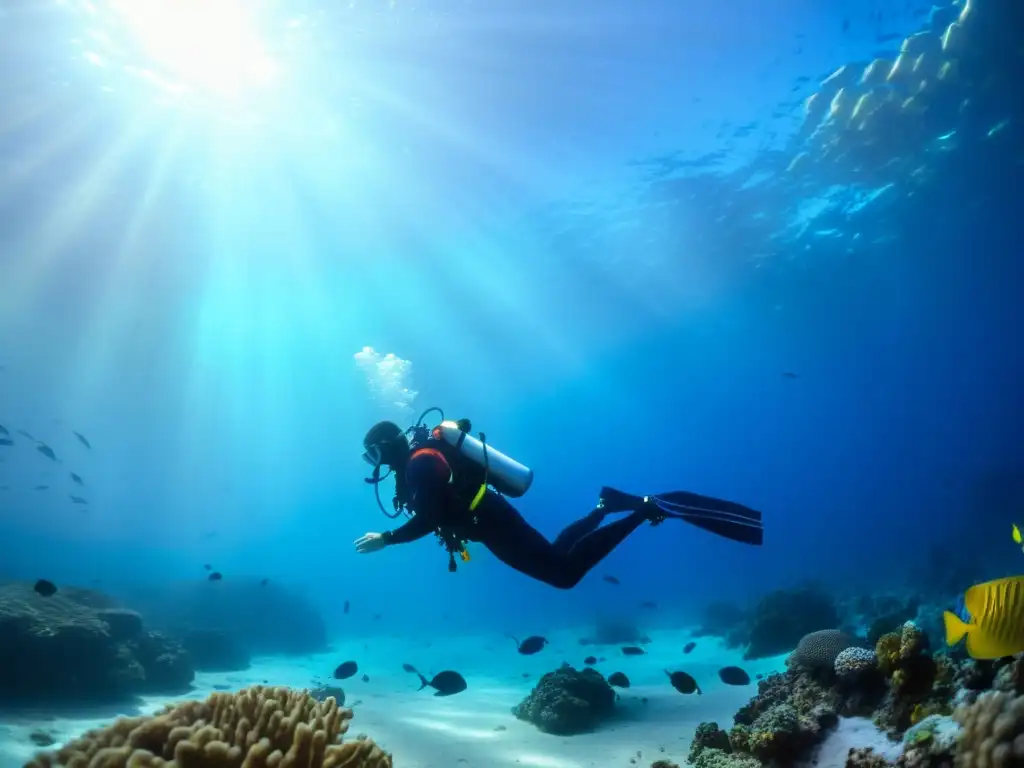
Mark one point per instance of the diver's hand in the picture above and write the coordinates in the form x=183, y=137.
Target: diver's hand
x=370, y=542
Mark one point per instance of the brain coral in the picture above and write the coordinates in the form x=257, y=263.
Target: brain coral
x=820, y=649
x=259, y=727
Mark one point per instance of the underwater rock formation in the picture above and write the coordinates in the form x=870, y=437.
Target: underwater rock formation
x=568, y=702
x=726, y=620
x=609, y=630
x=258, y=726
x=70, y=652
x=785, y=616
x=260, y=619
x=213, y=650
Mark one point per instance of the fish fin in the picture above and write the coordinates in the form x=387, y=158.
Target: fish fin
x=438, y=693
x=424, y=681
x=974, y=598
x=1016, y=534
x=956, y=628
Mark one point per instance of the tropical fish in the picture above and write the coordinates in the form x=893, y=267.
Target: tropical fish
x=611, y=579
x=1017, y=538
x=345, y=670
x=689, y=646
x=618, y=679
x=81, y=439
x=77, y=478
x=215, y=576
x=590, y=660
x=683, y=682
x=531, y=645
x=734, y=676
x=445, y=683
x=47, y=451
x=409, y=667
x=45, y=588
x=366, y=678
x=632, y=650
x=992, y=619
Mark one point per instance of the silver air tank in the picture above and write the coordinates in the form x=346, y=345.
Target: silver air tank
x=506, y=474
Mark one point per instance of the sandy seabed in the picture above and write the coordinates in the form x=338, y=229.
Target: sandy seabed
x=476, y=728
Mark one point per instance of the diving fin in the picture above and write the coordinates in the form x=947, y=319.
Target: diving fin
x=723, y=518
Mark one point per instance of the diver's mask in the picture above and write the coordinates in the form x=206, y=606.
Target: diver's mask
x=374, y=455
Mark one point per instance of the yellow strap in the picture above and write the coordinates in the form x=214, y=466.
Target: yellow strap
x=478, y=498
x=464, y=554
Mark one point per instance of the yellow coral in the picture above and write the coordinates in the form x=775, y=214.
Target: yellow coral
x=887, y=650
x=912, y=640
x=259, y=727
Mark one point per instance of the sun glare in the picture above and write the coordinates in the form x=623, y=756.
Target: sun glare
x=212, y=45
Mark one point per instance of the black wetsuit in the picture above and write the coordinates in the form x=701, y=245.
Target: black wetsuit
x=498, y=526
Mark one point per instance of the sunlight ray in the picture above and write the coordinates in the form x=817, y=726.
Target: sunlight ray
x=83, y=197
x=120, y=301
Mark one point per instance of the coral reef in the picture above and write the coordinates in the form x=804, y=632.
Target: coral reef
x=568, y=701
x=258, y=618
x=256, y=727
x=77, y=647
x=993, y=732
x=819, y=650
x=920, y=684
x=785, y=616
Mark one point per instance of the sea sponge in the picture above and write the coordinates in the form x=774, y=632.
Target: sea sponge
x=819, y=650
x=257, y=727
x=855, y=661
x=993, y=732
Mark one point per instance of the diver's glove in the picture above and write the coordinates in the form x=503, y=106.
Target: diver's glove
x=370, y=542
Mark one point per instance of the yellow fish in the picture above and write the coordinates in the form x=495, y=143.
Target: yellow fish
x=1017, y=538
x=996, y=629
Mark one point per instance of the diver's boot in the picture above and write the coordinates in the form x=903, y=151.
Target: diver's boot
x=612, y=500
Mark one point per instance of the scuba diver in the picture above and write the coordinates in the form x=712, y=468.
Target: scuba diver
x=453, y=485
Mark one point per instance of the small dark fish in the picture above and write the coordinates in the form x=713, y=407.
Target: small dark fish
x=632, y=650
x=207, y=566
x=81, y=439
x=45, y=588
x=264, y=582
x=445, y=683
x=77, y=478
x=410, y=668
x=683, y=683
x=366, y=678
x=531, y=645
x=25, y=434
x=215, y=576
x=618, y=679
x=6, y=441
x=346, y=670
x=40, y=487
x=590, y=660
x=790, y=375
x=689, y=646
x=650, y=605
x=345, y=610
x=78, y=500
x=611, y=579
x=47, y=451
x=734, y=676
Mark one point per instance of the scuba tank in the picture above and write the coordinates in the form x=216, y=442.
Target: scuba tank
x=507, y=475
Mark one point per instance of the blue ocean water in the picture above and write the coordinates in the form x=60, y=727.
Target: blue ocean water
x=617, y=237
